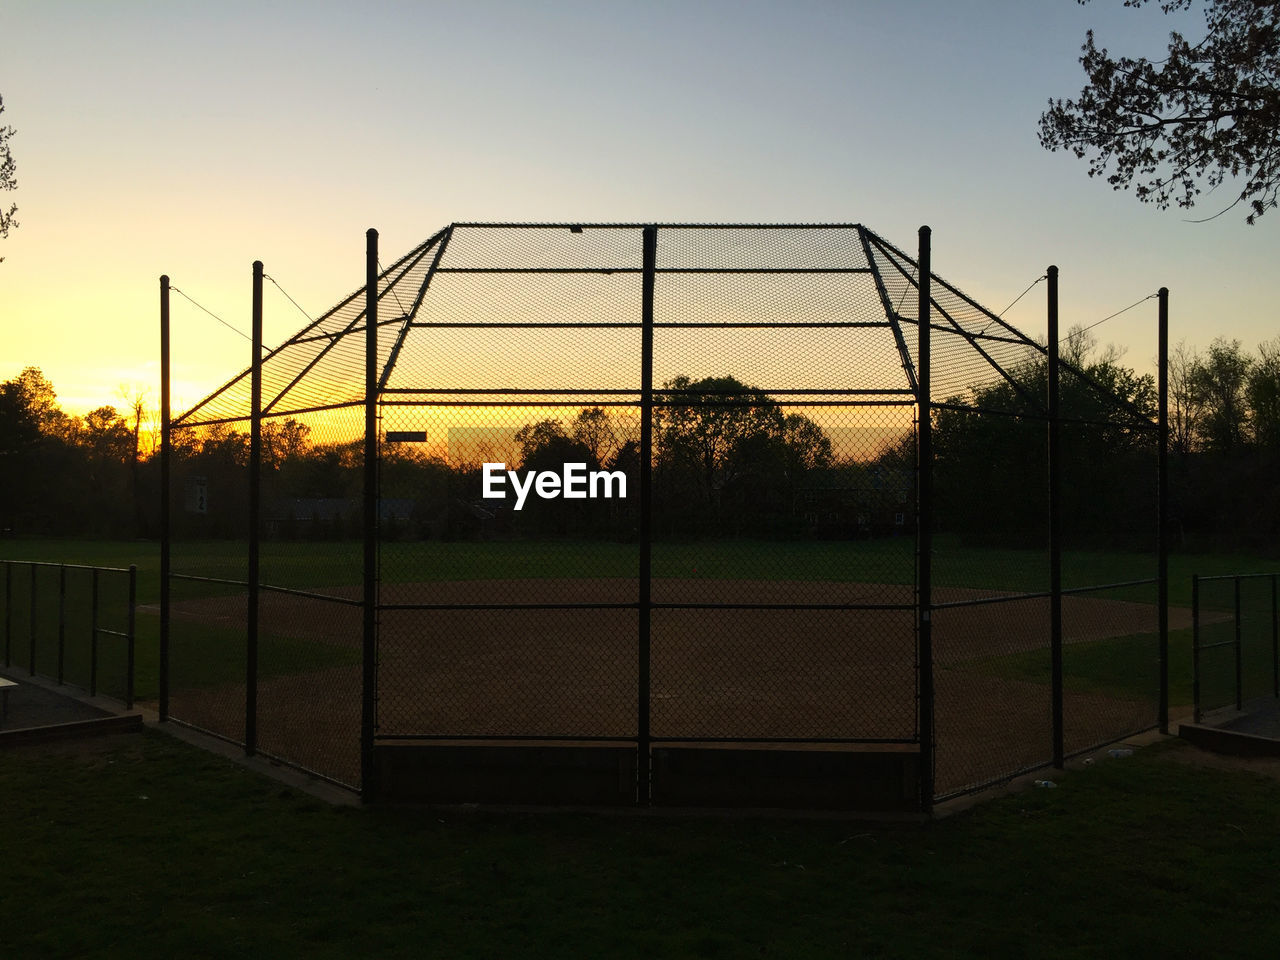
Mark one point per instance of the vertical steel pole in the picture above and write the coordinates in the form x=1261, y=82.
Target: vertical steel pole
x=649, y=244
x=369, y=662
x=255, y=475
x=924, y=526
x=8, y=612
x=166, y=499
x=1275, y=638
x=132, y=631
x=93, y=636
x=62, y=622
x=1162, y=509
x=31, y=662
x=1239, y=651
x=1195, y=645
x=1055, y=525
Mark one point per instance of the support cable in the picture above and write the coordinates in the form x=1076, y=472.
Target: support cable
x=287, y=297
x=1043, y=276
x=403, y=311
x=1112, y=317
x=212, y=314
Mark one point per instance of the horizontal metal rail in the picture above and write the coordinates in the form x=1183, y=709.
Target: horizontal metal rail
x=291, y=591
x=610, y=271
x=1033, y=415
x=982, y=601
x=870, y=402
x=509, y=606
x=657, y=740
x=1111, y=586
x=658, y=325
x=619, y=225
x=1238, y=576
x=683, y=397
x=69, y=566
x=196, y=579
x=311, y=595
x=1214, y=646
x=514, y=738
x=634, y=605
x=353, y=329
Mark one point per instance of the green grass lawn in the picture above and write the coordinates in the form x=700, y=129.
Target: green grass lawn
x=142, y=844
x=316, y=564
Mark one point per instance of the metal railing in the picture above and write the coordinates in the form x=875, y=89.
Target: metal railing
x=85, y=622
x=1237, y=625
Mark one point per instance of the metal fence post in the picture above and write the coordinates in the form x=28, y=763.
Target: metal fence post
x=166, y=498
x=62, y=622
x=649, y=243
x=8, y=612
x=1055, y=526
x=368, y=703
x=132, y=633
x=924, y=528
x=255, y=470
x=31, y=662
x=93, y=636
x=1162, y=509
x=1195, y=645
x=1239, y=651
x=1275, y=638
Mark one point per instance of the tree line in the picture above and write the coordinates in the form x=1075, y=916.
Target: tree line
x=70, y=475
x=729, y=460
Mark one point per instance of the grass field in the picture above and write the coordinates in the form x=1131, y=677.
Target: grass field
x=318, y=564
x=716, y=673
x=143, y=843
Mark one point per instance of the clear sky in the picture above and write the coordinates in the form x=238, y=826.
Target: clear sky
x=193, y=138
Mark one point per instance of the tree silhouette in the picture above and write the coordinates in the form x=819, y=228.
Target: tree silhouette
x=1208, y=112
x=7, y=180
x=1218, y=383
x=1263, y=395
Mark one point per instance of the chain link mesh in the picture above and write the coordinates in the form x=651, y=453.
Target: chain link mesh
x=783, y=598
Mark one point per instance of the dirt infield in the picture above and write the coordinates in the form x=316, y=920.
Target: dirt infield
x=750, y=673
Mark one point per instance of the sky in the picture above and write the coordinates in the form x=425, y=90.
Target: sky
x=191, y=139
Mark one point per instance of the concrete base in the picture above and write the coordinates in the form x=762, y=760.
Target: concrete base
x=1233, y=742
x=832, y=778
x=100, y=726
x=582, y=774
x=537, y=773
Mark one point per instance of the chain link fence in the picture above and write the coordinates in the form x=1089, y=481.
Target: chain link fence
x=659, y=486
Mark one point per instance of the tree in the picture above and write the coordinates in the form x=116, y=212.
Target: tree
x=706, y=425
x=1263, y=394
x=1208, y=112
x=984, y=456
x=36, y=394
x=1184, y=409
x=593, y=428
x=7, y=181
x=1218, y=384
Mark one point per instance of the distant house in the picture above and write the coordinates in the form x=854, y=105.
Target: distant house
x=878, y=503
